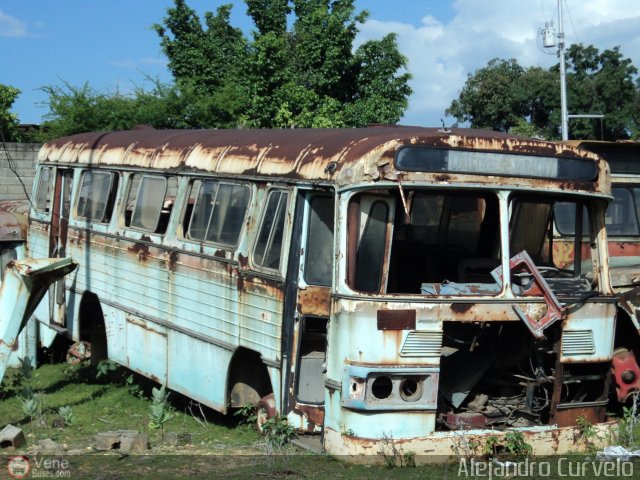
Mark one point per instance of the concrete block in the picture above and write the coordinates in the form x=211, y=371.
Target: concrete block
x=11, y=436
x=122, y=440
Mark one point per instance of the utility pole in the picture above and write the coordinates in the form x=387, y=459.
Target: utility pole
x=563, y=77
x=551, y=40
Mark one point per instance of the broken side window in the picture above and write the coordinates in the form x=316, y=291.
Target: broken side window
x=97, y=195
x=149, y=202
x=370, y=253
x=267, y=252
x=44, y=190
x=318, y=265
x=540, y=225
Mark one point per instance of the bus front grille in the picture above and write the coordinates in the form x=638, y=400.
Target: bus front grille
x=577, y=342
x=422, y=344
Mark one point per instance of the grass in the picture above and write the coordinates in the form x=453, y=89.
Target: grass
x=216, y=446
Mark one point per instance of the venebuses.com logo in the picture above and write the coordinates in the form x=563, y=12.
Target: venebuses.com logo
x=18, y=467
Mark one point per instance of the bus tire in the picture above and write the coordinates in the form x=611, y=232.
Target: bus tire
x=265, y=409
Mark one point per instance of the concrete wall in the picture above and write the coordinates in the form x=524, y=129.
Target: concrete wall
x=23, y=156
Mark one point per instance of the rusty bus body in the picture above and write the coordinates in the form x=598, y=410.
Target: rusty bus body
x=623, y=233
x=370, y=284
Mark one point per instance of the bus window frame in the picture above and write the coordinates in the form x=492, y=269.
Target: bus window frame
x=183, y=233
x=48, y=201
x=291, y=194
x=303, y=274
x=110, y=202
x=143, y=176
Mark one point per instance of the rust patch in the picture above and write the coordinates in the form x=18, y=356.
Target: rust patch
x=461, y=308
x=141, y=250
x=568, y=417
x=396, y=319
x=220, y=254
x=314, y=414
x=442, y=178
x=13, y=226
x=314, y=301
x=173, y=260
x=244, y=261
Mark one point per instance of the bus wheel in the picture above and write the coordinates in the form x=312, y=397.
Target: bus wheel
x=78, y=353
x=265, y=409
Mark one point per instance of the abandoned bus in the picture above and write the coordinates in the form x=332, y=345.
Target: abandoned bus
x=369, y=284
x=623, y=232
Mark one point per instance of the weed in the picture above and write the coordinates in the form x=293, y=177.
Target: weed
x=247, y=414
x=492, y=446
x=395, y=456
x=133, y=387
x=588, y=433
x=630, y=423
x=104, y=367
x=513, y=446
x=516, y=447
x=278, y=433
x=66, y=415
x=161, y=411
x=72, y=371
x=32, y=407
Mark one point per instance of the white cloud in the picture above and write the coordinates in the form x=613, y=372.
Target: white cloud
x=127, y=63
x=12, y=27
x=442, y=54
x=136, y=64
x=161, y=62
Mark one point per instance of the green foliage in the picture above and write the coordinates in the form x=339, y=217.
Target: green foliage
x=278, y=432
x=629, y=427
x=303, y=76
x=66, y=415
x=8, y=121
x=302, y=73
x=247, y=414
x=394, y=455
x=32, y=406
x=161, y=411
x=133, y=387
x=104, y=367
x=503, y=96
x=512, y=446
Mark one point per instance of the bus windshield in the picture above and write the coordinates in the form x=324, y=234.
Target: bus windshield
x=447, y=242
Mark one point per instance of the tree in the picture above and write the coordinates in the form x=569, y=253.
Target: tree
x=83, y=109
x=493, y=98
x=601, y=83
x=210, y=63
x=302, y=75
x=8, y=121
x=504, y=96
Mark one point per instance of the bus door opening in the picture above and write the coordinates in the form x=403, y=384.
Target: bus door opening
x=58, y=241
x=313, y=309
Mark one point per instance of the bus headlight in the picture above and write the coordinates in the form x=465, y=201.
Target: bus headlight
x=379, y=388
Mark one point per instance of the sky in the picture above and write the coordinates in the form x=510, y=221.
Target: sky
x=110, y=43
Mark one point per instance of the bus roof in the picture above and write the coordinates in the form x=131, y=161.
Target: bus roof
x=332, y=156
x=623, y=156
